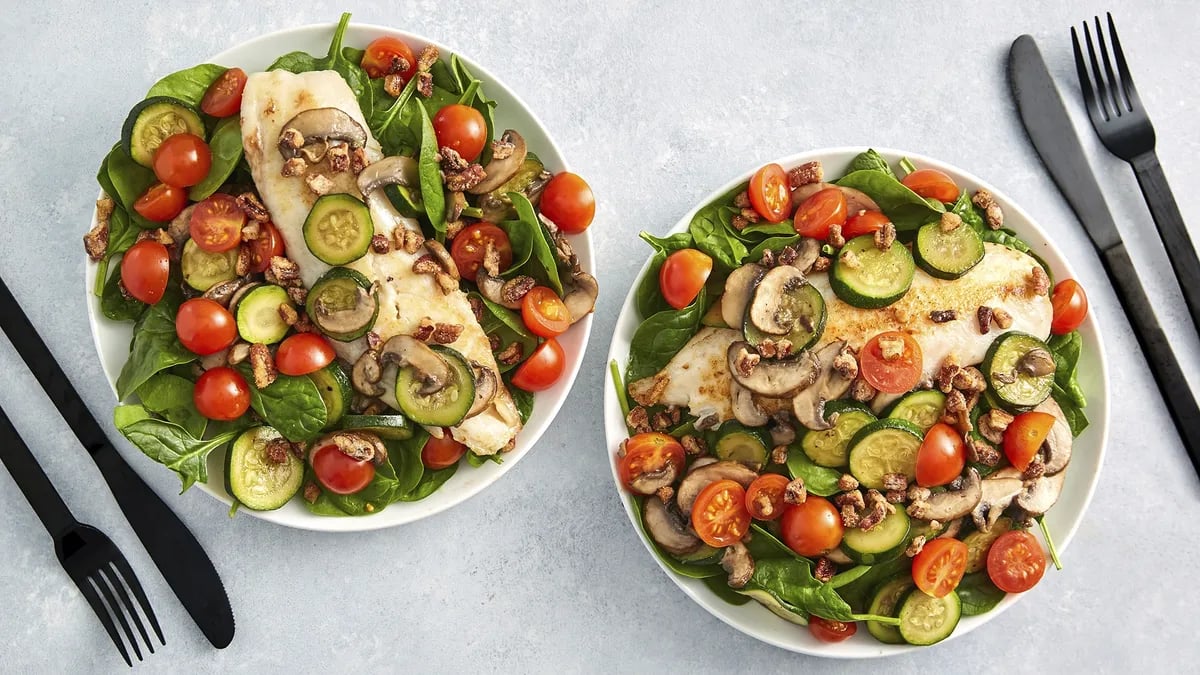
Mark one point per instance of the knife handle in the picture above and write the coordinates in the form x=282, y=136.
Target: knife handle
x=1171, y=229
x=1181, y=404
x=32, y=480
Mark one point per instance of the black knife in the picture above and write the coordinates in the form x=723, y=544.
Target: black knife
x=179, y=557
x=1049, y=127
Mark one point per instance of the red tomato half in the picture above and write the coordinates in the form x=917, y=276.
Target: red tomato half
x=1024, y=437
x=682, y=275
x=221, y=394
x=939, y=566
x=470, y=246
x=204, y=326
x=942, y=456
x=268, y=245
x=377, y=59
x=864, y=222
x=544, y=313
x=828, y=630
x=461, y=128
x=144, y=271
x=303, y=353
x=182, y=160
x=771, y=193
x=811, y=527
x=568, y=202
x=764, y=497
x=224, y=96
x=338, y=472
x=543, y=368
x=815, y=214
x=648, y=453
x=1016, y=562
x=216, y=223
x=891, y=362
x=443, y=452
x=161, y=202
x=1070, y=306
x=719, y=514
x=932, y=184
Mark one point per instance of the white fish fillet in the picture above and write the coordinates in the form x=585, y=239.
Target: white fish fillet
x=698, y=374
x=269, y=101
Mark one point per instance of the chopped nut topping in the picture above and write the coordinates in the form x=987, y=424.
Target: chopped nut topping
x=408, y=240
x=950, y=221
x=160, y=235
x=795, y=492
x=846, y=365
x=666, y=493
x=891, y=347
x=428, y=56
x=380, y=244
x=742, y=200
x=861, y=390
x=511, y=354
x=835, y=238
x=311, y=492
x=850, y=518
x=291, y=138
x=916, y=493
x=895, y=481
x=824, y=569
x=253, y=207
x=992, y=212
x=788, y=255
x=943, y=315
x=980, y=451
x=374, y=341
x=851, y=498
x=451, y=161
x=358, y=160
x=775, y=349
x=424, y=329
x=779, y=454
x=262, y=364
x=295, y=166
x=850, y=260
x=768, y=258
x=894, y=496
x=847, y=483
x=283, y=272
x=95, y=242
x=446, y=333
x=393, y=84
x=251, y=231
x=945, y=377
x=425, y=83
x=278, y=450
x=502, y=149
x=1002, y=318
x=993, y=423
x=339, y=158
x=298, y=295
x=1039, y=281
x=638, y=419
x=454, y=228
x=694, y=445
x=915, y=546
x=806, y=173
x=464, y=180
x=750, y=215
x=427, y=264
x=319, y=184
x=885, y=236
x=1035, y=470
x=984, y=318
x=516, y=288
x=746, y=362
x=288, y=313
x=969, y=380
x=241, y=266
x=822, y=264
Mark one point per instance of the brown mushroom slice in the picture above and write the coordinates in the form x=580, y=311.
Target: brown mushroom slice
x=809, y=405
x=432, y=370
x=668, y=529
x=998, y=491
x=439, y=252
x=807, y=252
x=745, y=410
x=768, y=311
x=856, y=200
x=738, y=562
x=500, y=170
x=702, y=462
x=650, y=482
x=951, y=529
x=343, y=313
x=394, y=170
x=739, y=289
x=694, y=482
x=358, y=445
x=1041, y=494
x=581, y=294
x=774, y=378
x=180, y=226
x=838, y=555
x=485, y=389
x=490, y=287
x=366, y=374
x=1056, y=449
x=319, y=126
x=951, y=504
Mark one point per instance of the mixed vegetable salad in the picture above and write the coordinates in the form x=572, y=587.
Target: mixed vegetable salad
x=852, y=400
x=232, y=348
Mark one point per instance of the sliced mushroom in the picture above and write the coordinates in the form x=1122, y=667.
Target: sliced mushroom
x=485, y=389
x=317, y=127
x=350, y=313
x=739, y=289
x=580, y=295
x=432, y=370
x=807, y=252
x=241, y=293
x=366, y=374
x=775, y=378
x=702, y=462
x=650, y=482
x=951, y=504
x=668, y=529
x=698, y=479
x=490, y=287
x=856, y=200
x=443, y=257
x=223, y=292
x=1041, y=494
x=180, y=227
x=768, y=311
x=500, y=170
x=809, y=405
x=359, y=445
x=1057, y=447
x=837, y=555
x=999, y=489
x=745, y=410
x=394, y=170
x=951, y=529
x=737, y=561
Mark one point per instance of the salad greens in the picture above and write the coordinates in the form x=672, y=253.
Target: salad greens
x=290, y=404
x=155, y=346
x=661, y=336
x=175, y=448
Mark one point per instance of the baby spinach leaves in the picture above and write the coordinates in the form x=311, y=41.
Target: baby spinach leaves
x=170, y=396
x=155, y=345
x=188, y=85
x=524, y=401
x=175, y=448
x=1066, y=391
x=226, y=146
x=432, y=191
x=712, y=231
x=336, y=60
x=905, y=207
x=292, y=405
x=129, y=180
x=505, y=324
x=649, y=298
x=978, y=594
x=661, y=336
x=871, y=161
x=819, y=480
x=528, y=234
x=791, y=581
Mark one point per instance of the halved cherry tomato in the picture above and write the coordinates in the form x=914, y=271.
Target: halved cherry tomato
x=682, y=275
x=443, y=452
x=828, y=630
x=303, y=353
x=161, y=202
x=470, y=247
x=649, y=453
x=461, y=128
x=818, y=212
x=182, y=160
x=377, y=60
x=268, y=245
x=939, y=566
x=719, y=514
x=811, y=527
x=144, y=271
x=568, y=202
x=932, y=184
x=891, y=362
x=216, y=223
x=221, y=394
x=544, y=313
x=942, y=456
x=204, y=326
x=340, y=473
x=1016, y=562
x=771, y=193
x=543, y=368
x=764, y=497
x=224, y=95
x=1070, y=306
x=864, y=222
x=1024, y=437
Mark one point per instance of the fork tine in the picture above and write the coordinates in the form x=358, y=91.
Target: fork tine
x=93, y=598
x=1118, y=96
x=1095, y=111
x=101, y=582
x=1101, y=86
x=131, y=580
x=1127, y=85
x=114, y=579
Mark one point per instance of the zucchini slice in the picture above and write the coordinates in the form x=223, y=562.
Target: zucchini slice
x=831, y=448
x=338, y=229
x=1012, y=372
x=154, y=120
x=255, y=481
x=805, y=304
x=947, y=255
x=387, y=427
x=258, y=318
x=883, y=447
x=923, y=408
x=203, y=270
x=926, y=620
x=444, y=408
x=740, y=444
x=887, y=598
x=334, y=386
x=980, y=542
x=866, y=277
x=342, y=305
x=886, y=541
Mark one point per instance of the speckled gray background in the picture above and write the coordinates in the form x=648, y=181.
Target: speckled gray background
x=655, y=103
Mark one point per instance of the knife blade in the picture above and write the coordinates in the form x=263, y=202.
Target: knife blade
x=173, y=548
x=1049, y=127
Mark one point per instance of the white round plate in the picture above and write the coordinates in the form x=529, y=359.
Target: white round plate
x=755, y=620
x=112, y=338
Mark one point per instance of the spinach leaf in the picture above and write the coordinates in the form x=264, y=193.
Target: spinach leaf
x=649, y=298
x=978, y=594
x=430, y=175
x=1066, y=390
x=849, y=576
x=336, y=60
x=171, y=397
x=172, y=446
x=392, y=479
x=125, y=415
x=785, y=228
x=226, y=146
x=292, y=405
x=439, y=98
x=688, y=570
x=130, y=180
x=712, y=230
x=105, y=181
x=969, y=213
x=121, y=235
x=722, y=590
x=114, y=304
x=543, y=266
x=661, y=336
x=524, y=401
x=905, y=207
x=430, y=481
x=405, y=457
x=521, y=235
x=1041, y=521
x=505, y=324
x=774, y=244
x=392, y=126
x=819, y=480
x=764, y=545
x=870, y=161
x=791, y=581
x=155, y=347
x=188, y=85
x=858, y=593
x=668, y=244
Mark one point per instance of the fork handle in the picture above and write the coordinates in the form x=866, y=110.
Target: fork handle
x=1171, y=229
x=32, y=480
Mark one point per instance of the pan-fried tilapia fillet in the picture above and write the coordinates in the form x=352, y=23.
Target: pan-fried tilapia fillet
x=698, y=376
x=270, y=100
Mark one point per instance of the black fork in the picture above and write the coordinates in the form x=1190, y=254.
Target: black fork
x=90, y=558
x=1120, y=119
